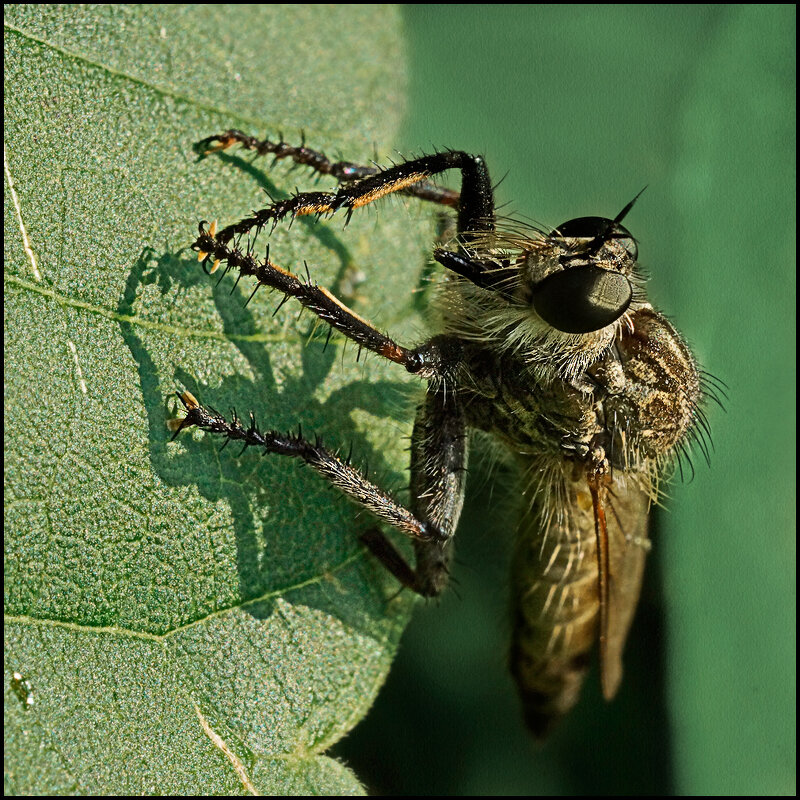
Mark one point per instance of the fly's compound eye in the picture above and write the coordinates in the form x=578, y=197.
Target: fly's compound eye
x=597, y=228
x=582, y=299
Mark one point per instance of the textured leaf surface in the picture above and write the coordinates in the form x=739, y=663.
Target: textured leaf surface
x=186, y=621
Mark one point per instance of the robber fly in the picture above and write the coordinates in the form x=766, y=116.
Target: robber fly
x=549, y=344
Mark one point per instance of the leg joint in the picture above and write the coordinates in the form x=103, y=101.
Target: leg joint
x=435, y=358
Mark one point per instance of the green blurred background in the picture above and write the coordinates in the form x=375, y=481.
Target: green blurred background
x=579, y=107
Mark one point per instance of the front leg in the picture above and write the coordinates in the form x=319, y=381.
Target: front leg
x=438, y=474
x=343, y=171
x=476, y=213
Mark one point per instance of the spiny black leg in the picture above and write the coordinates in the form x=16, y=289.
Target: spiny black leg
x=496, y=274
x=438, y=475
x=476, y=206
x=339, y=473
x=342, y=171
x=379, y=545
x=431, y=360
x=438, y=467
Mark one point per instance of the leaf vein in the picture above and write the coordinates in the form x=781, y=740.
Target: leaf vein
x=220, y=743
x=161, y=637
x=133, y=79
x=115, y=316
x=26, y=244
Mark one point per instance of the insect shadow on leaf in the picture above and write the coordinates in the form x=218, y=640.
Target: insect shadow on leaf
x=264, y=515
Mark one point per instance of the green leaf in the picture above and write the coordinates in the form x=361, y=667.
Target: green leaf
x=179, y=620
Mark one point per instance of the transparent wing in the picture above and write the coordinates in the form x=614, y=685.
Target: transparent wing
x=621, y=512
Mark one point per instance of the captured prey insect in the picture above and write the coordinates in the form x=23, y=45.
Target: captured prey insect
x=547, y=342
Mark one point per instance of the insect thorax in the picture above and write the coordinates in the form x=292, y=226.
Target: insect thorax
x=632, y=387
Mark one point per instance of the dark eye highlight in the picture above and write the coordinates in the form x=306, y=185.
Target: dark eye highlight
x=582, y=299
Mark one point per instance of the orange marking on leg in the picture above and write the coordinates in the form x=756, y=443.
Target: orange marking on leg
x=389, y=188
x=341, y=305
x=319, y=208
x=598, y=487
x=220, y=144
x=189, y=400
x=394, y=353
x=282, y=270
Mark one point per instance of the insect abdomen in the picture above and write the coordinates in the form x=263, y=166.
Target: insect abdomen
x=556, y=608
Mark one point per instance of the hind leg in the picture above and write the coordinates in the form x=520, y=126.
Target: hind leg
x=437, y=486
